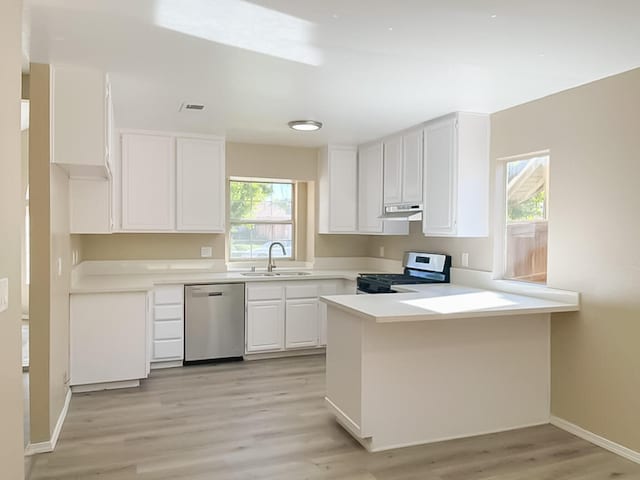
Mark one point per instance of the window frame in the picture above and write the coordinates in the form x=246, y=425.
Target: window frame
x=292, y=251
x=500, y=216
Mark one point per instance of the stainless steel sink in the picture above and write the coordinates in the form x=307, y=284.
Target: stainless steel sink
x=274, y=274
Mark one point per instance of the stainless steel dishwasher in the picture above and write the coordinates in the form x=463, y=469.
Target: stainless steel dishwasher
x=214, y=323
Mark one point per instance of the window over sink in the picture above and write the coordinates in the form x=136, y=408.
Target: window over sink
x=261, y=212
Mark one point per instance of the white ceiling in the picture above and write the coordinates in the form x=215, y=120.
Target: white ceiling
x=365, y=68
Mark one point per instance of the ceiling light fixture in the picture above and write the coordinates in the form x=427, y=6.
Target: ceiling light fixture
x=305, y=125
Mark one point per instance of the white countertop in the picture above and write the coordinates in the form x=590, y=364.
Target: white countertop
x=146, y=282
x=437, y=302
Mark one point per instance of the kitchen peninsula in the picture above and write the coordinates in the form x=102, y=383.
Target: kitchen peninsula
x=439, y=362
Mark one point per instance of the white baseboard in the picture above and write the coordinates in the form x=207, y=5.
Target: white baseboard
x=596, y=439
x=290, y=353
x=97, y=387
x=49, y=446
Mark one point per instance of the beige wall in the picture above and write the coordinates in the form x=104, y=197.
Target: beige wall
x=243, y=160
x=593, y=135
x=149, y=246
x=11, y=411
x=479, y=249
x=60, y=248
x=39, y=203
x=50, y=244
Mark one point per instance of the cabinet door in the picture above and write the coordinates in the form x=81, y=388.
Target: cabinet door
x=370, y=165
x=200, y=185
x=343, y=168
x=393, y=171
x=265, y=326
x=302, y=323
x=412, y=167
x=439, y=178
x=78, y=118
x=108, y=337
x=148, y=183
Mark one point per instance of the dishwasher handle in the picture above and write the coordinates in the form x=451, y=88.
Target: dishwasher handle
x=198, y=293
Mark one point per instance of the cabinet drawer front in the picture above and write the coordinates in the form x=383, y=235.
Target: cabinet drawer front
x=168, y=312
x=171, y=329
x=163, y=349
x=168, y=295
x=264, y=292
x=302, y=291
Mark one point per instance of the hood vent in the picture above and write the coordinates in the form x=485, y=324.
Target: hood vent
x=191, y=106
x=410, y=211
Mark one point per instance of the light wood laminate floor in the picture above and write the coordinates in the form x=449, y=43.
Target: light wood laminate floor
x=267, y=420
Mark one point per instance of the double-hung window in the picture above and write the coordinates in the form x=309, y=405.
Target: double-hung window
x=525, y=227
x=261, y=212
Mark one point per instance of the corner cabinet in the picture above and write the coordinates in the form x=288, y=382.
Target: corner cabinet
x=456, y=176
x=338, y=190
x=108, y=338
x=172, y=183
x=81, y=117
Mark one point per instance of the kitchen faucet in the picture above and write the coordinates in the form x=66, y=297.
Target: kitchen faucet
x=270, y=265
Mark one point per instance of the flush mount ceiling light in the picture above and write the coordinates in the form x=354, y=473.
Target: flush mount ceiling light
x=305, y=125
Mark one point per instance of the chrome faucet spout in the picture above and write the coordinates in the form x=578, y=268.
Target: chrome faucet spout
x=270, y=265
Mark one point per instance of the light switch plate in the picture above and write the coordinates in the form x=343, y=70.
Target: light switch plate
x=4, y=294
x=206, y=252
x=464, y=260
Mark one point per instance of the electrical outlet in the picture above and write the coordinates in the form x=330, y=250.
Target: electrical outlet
x=464, y=260
x=4, y=294
x=59, y=266
x=206, y=252
x=381, y=251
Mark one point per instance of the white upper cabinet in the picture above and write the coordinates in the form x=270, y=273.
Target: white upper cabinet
x=456, y=176
x=412, y=162
x=148, y=183
x=403, y=161
x=81, y=117
x=370, y=201
x=393, y=171
x=370, y=188
x=200, y=185
x=172, y=184
x=338, y=190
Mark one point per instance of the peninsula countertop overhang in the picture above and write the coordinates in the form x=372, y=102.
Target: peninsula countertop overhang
x=448, y=301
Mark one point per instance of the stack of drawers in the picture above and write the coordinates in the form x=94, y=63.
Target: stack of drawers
x=168, y=324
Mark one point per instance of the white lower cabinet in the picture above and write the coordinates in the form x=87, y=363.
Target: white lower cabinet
x=109, y=334
x=287, y=315
x=167, y=342
x=301, y=323
x=265, y=325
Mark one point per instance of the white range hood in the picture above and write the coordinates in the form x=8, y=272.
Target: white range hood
x=411, y=212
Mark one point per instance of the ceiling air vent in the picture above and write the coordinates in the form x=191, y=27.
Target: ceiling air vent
x=191, y=106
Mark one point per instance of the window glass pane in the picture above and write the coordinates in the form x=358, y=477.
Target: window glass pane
x=526, y=226
x=261, y=201
x=252, y=240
